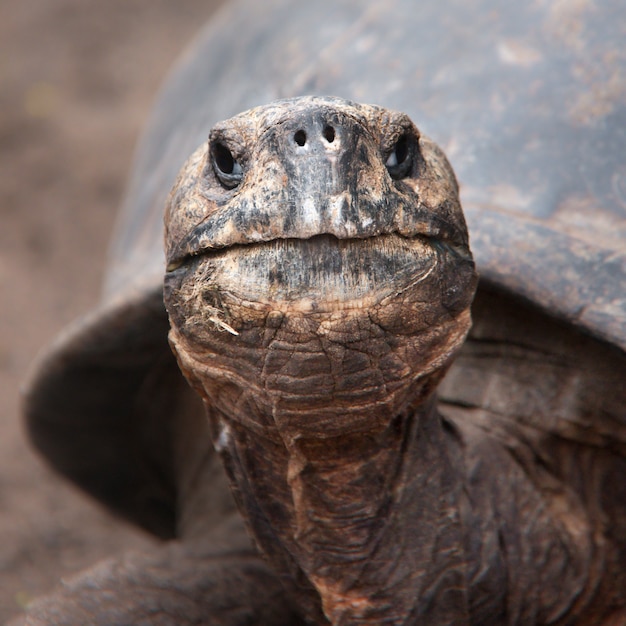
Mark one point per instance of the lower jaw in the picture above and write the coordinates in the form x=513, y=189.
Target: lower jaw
x=321, y=274
x=258, y=330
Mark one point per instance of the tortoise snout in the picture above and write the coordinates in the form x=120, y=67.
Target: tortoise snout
x=315, y=134
x=317, y=148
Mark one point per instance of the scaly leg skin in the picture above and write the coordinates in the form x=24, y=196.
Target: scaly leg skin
x=172, y=586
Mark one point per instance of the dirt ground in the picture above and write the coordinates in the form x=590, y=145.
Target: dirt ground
x=76, y=81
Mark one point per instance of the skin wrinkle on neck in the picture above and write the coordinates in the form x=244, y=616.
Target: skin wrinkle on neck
x=416, y=460
x=473, y=534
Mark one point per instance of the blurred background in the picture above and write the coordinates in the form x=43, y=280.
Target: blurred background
x=77, y=78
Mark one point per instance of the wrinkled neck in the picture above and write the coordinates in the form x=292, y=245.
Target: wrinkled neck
x=365, y=523
x=338, y=460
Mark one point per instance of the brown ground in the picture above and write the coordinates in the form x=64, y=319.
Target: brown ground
x=77, y=79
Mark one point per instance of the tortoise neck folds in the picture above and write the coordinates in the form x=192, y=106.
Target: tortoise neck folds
x=319, y=283
x=338, y=459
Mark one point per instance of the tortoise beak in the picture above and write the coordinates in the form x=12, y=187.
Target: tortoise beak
x=317, y=172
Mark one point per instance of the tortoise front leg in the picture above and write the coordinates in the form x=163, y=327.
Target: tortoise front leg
x=171, y=586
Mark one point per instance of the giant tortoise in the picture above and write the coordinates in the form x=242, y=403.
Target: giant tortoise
x=318, y=283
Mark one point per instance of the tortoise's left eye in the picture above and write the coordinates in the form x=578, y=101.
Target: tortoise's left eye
x=227, y=169
x=400, y=160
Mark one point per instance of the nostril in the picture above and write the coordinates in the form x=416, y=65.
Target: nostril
x=329, y=134
x=300, y=137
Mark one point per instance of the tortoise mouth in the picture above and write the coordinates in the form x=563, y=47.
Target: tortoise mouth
x=318, y=274
x=239, y=227
x=320, y=242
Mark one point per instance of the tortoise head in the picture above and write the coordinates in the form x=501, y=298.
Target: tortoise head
x=317, y=263
x=318, y=284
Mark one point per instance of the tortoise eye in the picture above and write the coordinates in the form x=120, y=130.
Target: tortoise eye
x=227, y=169
x=400, y=161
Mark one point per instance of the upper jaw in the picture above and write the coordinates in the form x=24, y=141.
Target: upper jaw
x=243, y=225
x=340, y=184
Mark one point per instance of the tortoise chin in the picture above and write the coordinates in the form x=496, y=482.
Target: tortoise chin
x=297, y=328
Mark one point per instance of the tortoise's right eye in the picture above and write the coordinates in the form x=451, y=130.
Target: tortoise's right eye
x=227, y=169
